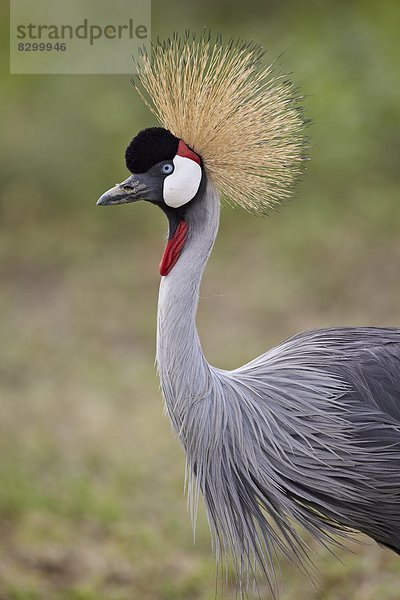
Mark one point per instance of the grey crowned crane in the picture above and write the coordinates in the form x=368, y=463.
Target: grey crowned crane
x=309, y=432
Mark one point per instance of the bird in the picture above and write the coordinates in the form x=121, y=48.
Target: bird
x=305, y=437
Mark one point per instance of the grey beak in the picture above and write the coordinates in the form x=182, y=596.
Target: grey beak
x=128, y=191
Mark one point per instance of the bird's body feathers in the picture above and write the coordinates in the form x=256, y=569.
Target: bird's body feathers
x=309, y=432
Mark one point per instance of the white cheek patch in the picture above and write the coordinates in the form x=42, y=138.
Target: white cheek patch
x=182, y=185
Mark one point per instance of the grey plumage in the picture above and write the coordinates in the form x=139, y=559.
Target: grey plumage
x=309, y=432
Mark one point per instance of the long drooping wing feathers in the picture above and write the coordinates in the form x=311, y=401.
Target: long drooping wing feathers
x=306, y=434
x=302, y=442
x=242, y=117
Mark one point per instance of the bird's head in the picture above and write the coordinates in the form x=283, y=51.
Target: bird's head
x=232, y=117
x=164, y=171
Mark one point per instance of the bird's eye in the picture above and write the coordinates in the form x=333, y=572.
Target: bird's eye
x=167, y=168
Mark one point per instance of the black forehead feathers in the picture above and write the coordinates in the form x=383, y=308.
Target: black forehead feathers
x=150, y=146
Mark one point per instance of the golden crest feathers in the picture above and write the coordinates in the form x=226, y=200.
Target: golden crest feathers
x=242, y=118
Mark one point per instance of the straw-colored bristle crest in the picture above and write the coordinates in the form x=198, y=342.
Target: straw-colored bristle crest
x=241, y=117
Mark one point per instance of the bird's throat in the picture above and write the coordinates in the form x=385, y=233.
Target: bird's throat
x=173, y=248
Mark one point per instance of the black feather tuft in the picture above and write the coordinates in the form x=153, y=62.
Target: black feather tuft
x=149, y=147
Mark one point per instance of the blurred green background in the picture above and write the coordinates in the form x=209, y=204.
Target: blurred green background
x=91, y=479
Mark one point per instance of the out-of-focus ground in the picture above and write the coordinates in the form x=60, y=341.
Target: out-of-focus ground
x=91, y=479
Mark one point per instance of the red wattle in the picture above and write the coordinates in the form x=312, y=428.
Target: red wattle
x=173, y=248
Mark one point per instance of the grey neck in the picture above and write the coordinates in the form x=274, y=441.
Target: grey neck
x=183, y=370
